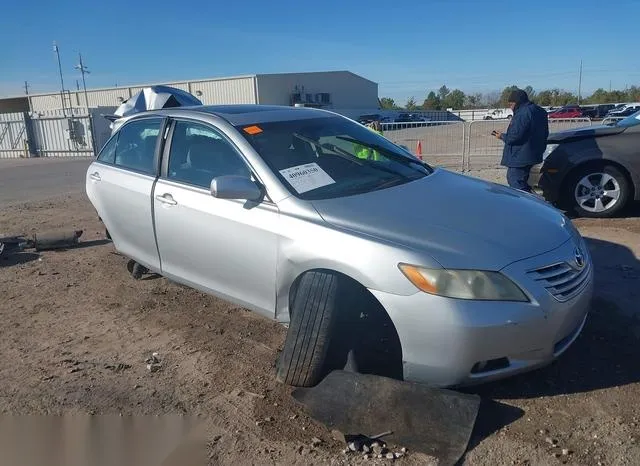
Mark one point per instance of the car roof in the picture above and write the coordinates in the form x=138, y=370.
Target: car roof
x=242, y=114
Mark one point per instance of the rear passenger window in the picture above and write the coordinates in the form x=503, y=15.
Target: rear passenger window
x=199, y=154
x=136, y=145
x=108, y=152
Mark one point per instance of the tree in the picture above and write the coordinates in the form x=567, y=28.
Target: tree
x=504, y=96
x=388, y=103
x=432, y=102
x=411, y=104
x=443, y=92
x=473, y=100
x=530, y=93
x=492, y=99
x=454, y=99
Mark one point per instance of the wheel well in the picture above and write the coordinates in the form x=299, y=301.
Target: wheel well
x=599, y=163
x=366, y=328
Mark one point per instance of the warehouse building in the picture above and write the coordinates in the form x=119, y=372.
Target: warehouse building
x=333, y=90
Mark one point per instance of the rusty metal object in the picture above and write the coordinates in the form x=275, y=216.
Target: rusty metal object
x=55, y=240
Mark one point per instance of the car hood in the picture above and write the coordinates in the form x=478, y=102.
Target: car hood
x=461, y=222
x=586, y=132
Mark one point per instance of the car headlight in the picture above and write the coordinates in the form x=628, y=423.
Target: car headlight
x=547, y=152
x=464, y=284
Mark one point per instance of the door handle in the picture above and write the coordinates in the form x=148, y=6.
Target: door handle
x=95, y=176
x=166, y=199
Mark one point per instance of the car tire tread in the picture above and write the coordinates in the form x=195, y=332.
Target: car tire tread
x=302, y=360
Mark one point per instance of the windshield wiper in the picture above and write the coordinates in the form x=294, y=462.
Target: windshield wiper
x=386, y=152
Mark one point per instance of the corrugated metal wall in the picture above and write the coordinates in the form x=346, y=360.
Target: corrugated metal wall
x=225, y=91
x=240, y=90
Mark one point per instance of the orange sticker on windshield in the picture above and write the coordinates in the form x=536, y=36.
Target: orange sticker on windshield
x=253, y=130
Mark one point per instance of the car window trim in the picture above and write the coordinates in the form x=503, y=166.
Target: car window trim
x=156, y=157
x=166, y=153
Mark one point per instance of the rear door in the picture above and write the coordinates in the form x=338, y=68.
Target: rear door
x=226, y=247
x=120, y=184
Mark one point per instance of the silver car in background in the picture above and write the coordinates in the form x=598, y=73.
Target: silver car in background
x=368, y=254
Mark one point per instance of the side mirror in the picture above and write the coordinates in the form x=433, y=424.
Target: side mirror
x=235, y=187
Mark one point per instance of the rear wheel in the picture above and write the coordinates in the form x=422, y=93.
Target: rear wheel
x=598, y=192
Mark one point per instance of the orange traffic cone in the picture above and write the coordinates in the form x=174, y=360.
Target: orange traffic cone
x=419, y=150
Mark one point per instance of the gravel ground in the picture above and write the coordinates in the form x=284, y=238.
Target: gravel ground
x=77, y=331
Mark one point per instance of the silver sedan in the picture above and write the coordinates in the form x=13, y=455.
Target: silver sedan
x=372, y=258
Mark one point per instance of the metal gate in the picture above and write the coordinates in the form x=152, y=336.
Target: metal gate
x=54, y=133
x=13, y=136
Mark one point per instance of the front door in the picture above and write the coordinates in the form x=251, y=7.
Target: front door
x=225, y=247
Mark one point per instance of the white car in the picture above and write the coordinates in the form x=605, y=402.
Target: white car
x=499, y=114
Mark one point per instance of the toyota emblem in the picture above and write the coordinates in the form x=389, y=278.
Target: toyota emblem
x=579, y=257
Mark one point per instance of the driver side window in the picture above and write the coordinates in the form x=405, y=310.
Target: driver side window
x=199, y=154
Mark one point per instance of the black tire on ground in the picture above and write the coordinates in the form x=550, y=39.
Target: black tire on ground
x=593, y=172
x=314, y=312
x=509, y=117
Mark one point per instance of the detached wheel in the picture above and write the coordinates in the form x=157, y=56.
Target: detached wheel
x=314, y=313
x=598, y=192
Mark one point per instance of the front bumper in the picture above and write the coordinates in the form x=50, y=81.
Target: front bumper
x=449, y=342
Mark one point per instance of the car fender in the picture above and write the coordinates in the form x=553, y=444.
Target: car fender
x=347, y=253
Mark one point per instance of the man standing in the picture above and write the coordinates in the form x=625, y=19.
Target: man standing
x=525, y=140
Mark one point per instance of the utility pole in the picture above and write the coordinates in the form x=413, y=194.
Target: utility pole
x=83, y=70
x=609, y=85
x=57, y=51
x=580, y=83
x=26, y=88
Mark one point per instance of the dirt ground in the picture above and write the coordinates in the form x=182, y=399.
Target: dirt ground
x=76, y=330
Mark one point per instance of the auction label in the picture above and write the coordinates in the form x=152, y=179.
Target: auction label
x=306, y=177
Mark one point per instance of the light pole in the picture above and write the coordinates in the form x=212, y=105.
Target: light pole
x=57, y=51
x=580, y=84
x=83, y=70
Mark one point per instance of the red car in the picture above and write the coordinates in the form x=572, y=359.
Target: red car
x=573, y=112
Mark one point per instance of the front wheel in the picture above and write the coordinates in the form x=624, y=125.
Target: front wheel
x=314, y=313
x=598, y=192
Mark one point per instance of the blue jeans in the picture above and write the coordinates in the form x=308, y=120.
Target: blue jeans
x=518, y=178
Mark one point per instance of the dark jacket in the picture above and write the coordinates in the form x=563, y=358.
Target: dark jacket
x=526, y=138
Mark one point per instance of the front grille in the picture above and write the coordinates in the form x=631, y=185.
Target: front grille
x=563, y=280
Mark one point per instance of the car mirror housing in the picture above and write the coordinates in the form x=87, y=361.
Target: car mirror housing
x=235, y=187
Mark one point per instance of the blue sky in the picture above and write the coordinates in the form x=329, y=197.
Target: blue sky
x=408, y=47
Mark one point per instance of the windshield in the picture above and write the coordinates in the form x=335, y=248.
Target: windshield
x=330, y=157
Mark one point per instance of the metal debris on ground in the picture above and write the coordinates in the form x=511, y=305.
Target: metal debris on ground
x=153, y=363
x=39, y=241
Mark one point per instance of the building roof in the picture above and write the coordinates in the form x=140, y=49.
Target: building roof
x=185, y=81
